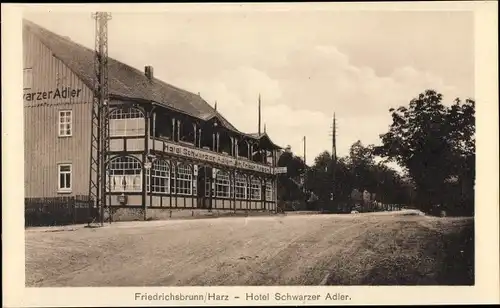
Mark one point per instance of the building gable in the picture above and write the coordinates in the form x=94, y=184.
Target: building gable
x=47, y=80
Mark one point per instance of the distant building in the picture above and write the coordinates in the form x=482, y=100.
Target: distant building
x=198, y=159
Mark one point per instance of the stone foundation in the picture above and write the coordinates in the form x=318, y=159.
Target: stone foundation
x=131, y=214
x=127, y=214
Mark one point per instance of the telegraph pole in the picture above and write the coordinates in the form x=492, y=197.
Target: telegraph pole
x=305, y=151
x=334, y=156
x=334, y=140
x=100, y=115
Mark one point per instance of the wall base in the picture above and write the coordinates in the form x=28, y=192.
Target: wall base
x=131, y=214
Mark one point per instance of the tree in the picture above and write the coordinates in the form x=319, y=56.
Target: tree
x=432, y=142
x=320, y=179
x=362, y=166
x=288, y=187
x=356, y=172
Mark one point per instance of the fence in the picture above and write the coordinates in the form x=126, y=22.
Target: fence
x=57, y=211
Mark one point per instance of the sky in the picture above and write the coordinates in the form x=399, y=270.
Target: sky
x=306, y=65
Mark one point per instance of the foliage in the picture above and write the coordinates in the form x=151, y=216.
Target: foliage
x=436, y=146
x=348, y=178
x=288, y=184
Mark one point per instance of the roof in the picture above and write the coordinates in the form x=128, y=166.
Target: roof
x=125, y=81
x=264, y=136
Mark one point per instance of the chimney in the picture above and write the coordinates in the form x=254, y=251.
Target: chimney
x=148, y=71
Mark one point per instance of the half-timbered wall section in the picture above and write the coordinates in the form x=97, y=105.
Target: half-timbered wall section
x=165, y=159
x=57, y=106
x=168, y=147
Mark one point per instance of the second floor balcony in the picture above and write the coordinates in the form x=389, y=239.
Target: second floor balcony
x=177, y=135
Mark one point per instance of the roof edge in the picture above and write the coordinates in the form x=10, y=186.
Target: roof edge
x=33, y=27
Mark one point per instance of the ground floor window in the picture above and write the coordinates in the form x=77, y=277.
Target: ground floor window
x=240, y=186
x=65, y=173
x=255, y=189
x=269, y=190
x=183, y=180
x=222, y=185
x=125, y=175
x=160, y=177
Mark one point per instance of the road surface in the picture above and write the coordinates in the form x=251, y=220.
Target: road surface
x=275, y=250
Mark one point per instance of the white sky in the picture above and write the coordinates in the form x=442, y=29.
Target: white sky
x=306, y=65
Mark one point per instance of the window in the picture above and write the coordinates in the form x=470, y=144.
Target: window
x=184, y=180
x=255, y=189
x=27, y=78
x=64, y=171
x=65, y=123
x=125, y=175
x=269, y=191
x=222, y=185
x=126, y=122
x=160, y=177
x=240, y=186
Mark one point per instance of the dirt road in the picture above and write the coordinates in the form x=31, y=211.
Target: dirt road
x=277, y=250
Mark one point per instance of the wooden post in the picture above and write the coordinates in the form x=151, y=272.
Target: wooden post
x=173, y=129
x=275, y=196
x=194, y=133
x=144, y=160
x=218, y=142
x=213, y=142
x=234, y=190
x=248, y=198
x=199, y=137
x=178, y=130
x=150, y=176
x=170, y=181
x=154, y=124
x=263, y=192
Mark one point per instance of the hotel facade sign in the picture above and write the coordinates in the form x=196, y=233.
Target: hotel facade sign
x=279, y=170
x=66, y=92
x=206, y=156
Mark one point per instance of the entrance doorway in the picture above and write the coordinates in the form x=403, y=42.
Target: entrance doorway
x=204, y=189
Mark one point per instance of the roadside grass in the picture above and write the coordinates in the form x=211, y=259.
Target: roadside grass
x=434, y=251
